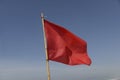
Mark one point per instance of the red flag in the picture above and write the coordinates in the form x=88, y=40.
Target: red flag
x=65, y=47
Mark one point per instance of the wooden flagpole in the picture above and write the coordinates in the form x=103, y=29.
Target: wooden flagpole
x=45, y=45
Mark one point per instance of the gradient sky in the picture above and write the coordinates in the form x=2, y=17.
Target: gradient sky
x=22, y=55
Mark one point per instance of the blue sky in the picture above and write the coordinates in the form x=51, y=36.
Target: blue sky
x=22, y=55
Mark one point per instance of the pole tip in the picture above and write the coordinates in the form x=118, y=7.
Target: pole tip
x=42, y=15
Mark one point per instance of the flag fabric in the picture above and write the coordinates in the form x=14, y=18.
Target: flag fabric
x=65, y=47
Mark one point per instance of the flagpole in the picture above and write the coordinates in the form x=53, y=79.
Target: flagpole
x=45, y=45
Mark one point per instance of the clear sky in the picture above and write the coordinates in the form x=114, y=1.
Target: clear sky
x=22, y=55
